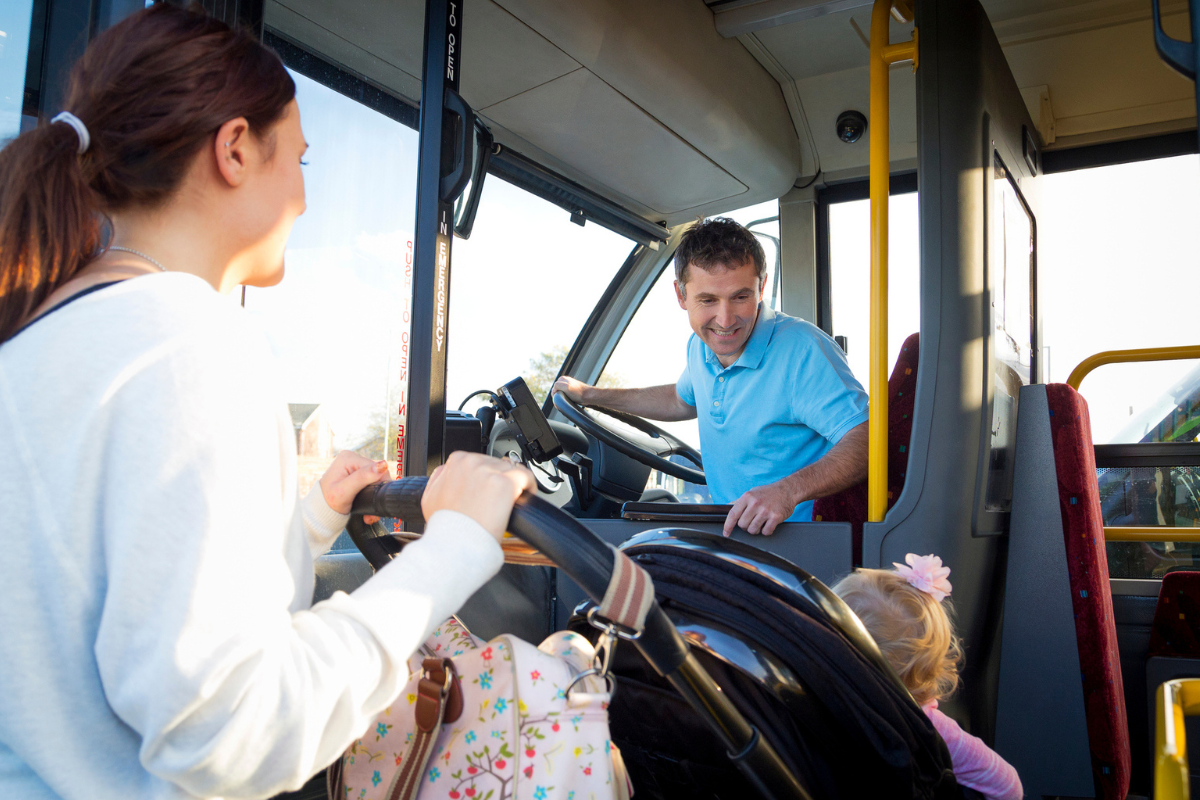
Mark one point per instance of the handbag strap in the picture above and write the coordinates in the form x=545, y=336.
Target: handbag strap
x=439, y=699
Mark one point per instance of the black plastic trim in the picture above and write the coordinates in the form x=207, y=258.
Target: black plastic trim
x=1104, y=155
x=860, y=189
x=311, y=65
x=570, y=196
x=1148, y=454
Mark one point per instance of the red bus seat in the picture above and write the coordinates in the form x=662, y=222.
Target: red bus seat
x=1091, y=597
x=1176, y=629
x=850, y=505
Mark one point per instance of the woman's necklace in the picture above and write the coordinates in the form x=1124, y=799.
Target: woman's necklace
x=139, y=254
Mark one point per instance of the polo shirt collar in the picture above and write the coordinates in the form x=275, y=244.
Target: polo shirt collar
x=756, y=346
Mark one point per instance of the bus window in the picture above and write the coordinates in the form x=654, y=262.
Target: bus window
x=1116, y=257
x=16, y=18
x=850, y=277
x=337, y=320
x=521, y=288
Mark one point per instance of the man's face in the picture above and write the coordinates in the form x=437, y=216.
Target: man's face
x=722, y=306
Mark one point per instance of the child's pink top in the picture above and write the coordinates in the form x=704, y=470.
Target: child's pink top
x=975, y=764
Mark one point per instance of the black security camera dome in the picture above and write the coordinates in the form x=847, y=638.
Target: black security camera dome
x=850, y=126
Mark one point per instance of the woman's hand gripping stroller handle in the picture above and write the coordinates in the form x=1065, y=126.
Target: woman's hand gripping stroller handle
x=578, y=552
x=589, y=561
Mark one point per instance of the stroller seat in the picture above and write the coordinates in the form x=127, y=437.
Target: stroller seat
x=795, y=661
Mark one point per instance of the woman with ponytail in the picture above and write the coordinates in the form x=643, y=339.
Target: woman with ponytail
x=156, y=634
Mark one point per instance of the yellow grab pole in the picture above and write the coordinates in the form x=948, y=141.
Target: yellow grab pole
x=1144, y=533
x=1174, y=701
x=883, y=54
x=1130, y=356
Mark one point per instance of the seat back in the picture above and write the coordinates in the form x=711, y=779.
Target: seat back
x=1176, y=629
x=850, y=505
x=1091, y=596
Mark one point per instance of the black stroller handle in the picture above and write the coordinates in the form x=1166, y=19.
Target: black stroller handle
x=588, y=561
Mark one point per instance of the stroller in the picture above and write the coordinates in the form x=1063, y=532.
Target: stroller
x=748, y=673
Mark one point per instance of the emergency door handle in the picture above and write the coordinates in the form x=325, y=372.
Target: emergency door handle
x=456, y=180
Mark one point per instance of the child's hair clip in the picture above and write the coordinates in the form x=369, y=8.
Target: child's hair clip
x=927, y=574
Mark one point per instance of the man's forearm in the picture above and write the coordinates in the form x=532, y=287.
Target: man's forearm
x=842, y=467
x=655, y=402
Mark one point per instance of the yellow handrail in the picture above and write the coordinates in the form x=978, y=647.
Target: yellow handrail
x=883, y=54
x=1127, y=356
x=1175, y=700
x=1161, y=533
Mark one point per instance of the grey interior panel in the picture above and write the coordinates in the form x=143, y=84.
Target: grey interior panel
x=1041, y=726
x=967, y=105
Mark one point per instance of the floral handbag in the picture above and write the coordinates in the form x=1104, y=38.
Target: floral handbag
x=494, y=721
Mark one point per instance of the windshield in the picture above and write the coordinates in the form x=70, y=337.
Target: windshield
x=521, y=289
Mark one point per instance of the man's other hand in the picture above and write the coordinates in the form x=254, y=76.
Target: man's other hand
x=761, y=509
x=571, y=388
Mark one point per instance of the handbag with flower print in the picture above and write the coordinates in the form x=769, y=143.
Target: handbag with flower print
x=489, y=721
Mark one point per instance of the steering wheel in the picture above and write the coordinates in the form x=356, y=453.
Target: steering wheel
x=648, y=451
x=589, y=561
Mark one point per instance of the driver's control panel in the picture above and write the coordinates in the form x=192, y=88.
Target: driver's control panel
x=515, y=403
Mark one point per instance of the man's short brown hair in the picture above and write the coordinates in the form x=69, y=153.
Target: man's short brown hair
x=718, y=243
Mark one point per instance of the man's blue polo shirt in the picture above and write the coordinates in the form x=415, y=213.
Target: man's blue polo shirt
x=782, y=405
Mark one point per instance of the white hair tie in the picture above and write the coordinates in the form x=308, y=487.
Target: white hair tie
x=85, y=139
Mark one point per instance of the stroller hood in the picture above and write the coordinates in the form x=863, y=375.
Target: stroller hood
x=797, y=663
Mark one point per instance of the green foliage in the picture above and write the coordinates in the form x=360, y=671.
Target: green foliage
x=544, y=367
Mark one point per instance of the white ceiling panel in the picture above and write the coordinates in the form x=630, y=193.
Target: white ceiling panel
x=583, y=121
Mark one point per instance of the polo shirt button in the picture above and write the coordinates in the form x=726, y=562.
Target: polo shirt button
x=721, y=379
x=716, y=402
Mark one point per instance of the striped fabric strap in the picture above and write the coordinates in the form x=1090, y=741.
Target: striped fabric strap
x=435, y=693
x=629, y=595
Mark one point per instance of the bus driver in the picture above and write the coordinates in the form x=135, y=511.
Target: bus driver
x=782, y=418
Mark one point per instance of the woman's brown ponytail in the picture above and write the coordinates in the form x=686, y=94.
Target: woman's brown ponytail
x=48, y=220
x=152, y=91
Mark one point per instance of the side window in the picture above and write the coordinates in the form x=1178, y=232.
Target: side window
x=338, y=321
x=850, y=277
x=1114, y=276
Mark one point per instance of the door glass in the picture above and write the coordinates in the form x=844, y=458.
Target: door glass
x=339, y=320
x=15, y=23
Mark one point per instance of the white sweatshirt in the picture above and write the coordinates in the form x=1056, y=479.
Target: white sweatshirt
x=156, y=639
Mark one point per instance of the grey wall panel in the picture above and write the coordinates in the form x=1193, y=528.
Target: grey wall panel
x=1041, y=726
x=966, y=98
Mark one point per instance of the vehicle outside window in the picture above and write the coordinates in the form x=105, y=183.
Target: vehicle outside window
x=1117, y=257
x=337, y=321
x=521, y=289
x=653, y=349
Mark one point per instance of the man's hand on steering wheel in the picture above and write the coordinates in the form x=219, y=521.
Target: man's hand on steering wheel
x=762, y=508
x=571, y=388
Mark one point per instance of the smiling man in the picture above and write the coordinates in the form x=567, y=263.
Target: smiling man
x=782, y=418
